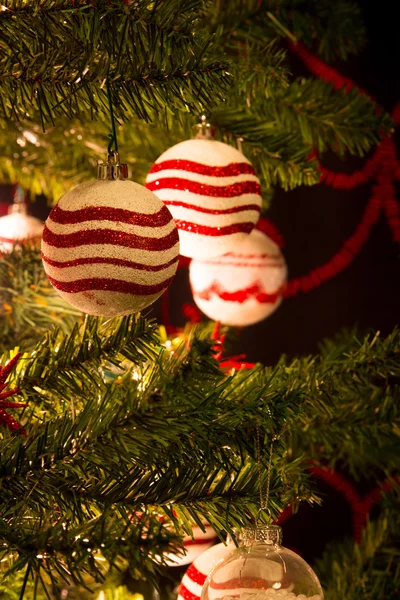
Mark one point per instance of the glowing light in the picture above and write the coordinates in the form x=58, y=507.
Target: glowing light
x=31, y=137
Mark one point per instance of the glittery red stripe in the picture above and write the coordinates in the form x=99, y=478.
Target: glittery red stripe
x=254, y=291
x=106, y=213
x=214, y=231
x=184, y=592
x=216, y=191
x=194, y=167
x=213, y=211
x=110, y=261
x=195, y=575
x=110, y=237
x=113, y=285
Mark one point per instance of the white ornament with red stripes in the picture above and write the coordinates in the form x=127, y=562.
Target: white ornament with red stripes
x=212, y=192
x=241, y=287
x=194, y=546
x=196, y=575
x=18, y=226
x=110, y=247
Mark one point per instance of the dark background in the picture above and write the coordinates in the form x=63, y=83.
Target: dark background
x=315, y=222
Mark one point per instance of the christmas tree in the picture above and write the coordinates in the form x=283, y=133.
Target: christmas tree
x=120, y=436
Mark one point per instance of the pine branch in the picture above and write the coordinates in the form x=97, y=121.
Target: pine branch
x=71, y=363
x=174, y=434
x=53, y=162
x=168, y=440
x=368, y=570
x=157, y=46
x=258, y=63
x=316, y=116
x=352, y=407
x=279, y=156
x=56, y=59
x=336, y=33
x=345, y=121
x=28, y=304
x=62, y=552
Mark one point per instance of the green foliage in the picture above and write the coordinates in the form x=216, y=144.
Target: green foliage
x=171, y=436
x=165, y=63
x=56, y=59
x=28, y=304
x=323, y=117
x=65, y=155
x=122, y=432
x=352, y=406
x=370, y=570
x=334, y=32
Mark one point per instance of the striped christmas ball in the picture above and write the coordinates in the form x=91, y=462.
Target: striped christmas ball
x=110, y=247
x=212, y=192
x=243, y=286
x=194, y=546
x=18, y=227
x=196, y=575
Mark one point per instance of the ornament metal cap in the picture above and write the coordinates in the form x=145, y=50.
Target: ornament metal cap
x=205, y=131
x=113, y=169
x=269, y=534
x=19, y=204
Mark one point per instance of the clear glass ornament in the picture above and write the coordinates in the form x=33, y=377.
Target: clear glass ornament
x=262, y=569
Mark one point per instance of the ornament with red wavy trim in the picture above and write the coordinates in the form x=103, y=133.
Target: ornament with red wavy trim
x=18, y=226
x=241, y=287
x=212, y=192
x=194, y=546
x=110, y=247
x=5, y=419
x=196, y=575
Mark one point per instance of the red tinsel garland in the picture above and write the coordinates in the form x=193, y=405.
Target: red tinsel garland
x=344, y=257
x=320, y=69
x=360, y=506
x=383, y=166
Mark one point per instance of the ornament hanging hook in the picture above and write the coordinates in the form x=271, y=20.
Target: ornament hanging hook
x=263, y=501
x=205, y=131
x=113, y=169
x=112, y=148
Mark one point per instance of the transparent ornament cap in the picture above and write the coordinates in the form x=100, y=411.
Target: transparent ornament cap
x=269, y=534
